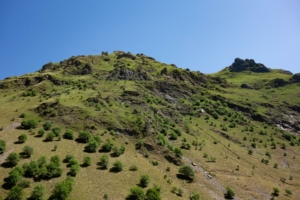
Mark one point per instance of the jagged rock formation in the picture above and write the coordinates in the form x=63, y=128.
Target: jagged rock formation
x=247, y=64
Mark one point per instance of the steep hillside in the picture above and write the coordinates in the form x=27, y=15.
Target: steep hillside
x=122, y=124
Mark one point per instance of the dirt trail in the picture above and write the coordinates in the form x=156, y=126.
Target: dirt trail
x=11, y=126
x=212, y=181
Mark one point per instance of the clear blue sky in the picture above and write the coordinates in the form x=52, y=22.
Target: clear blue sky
x=202, y=35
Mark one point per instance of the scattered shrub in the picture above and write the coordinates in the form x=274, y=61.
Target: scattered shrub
x=63, y=189
x=50, y=136
x=117, y=166
x=133, y=168
x=27, y=151
x=22, y=138
x=87, y=161
x=92, y=146
x=103, y=163
x=229, y=193
x=12, y=159
x=38, y=193
x=2, y=146
x=41, y=132
x=56, y=130
x=136, y=193
x=187, y=171
x=107, y=146
x=69, y=134
x=47, y=125
x=28, y=124
x=144, y=180
x=15, y=193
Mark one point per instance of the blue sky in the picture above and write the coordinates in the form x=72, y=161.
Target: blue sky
x=202, y=35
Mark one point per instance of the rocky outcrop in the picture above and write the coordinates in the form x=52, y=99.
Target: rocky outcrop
x=278, y=82
x=245, y=86
x=87, y=69
x=296, y=78
x=247, y=65
x=123, y=73
x=48, y=66
x=121, y=54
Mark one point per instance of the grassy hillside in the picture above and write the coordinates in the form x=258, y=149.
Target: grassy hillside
x=155, y=119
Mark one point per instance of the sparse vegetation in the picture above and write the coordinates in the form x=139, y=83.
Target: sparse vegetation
x=143, y=117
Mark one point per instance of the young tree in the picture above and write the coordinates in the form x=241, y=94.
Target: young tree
x=69, y=134
x=187, y=171
x=32, y=169
x=29, y=124
x=107, y=146
x=136, y=193
x=27, y=151
x=15, y=193
x=87, y=161
x=47, y=125
x=41, y=132
x=63, y=189
x=38, y=193
x=56, y=130
x=12, y=159
x=152, y=194
x=117, y=166
x=15, y=176
x=92, y=146
x=229, y=193
x=22, y=138
x=42, y=161
x=103, y=163
x=74, y=170
x=144, y=180
x=50, y=136
x=84, y=136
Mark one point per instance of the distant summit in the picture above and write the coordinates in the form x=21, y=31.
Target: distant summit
x=247, y=65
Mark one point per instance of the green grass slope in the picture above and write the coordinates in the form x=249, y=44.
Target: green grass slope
x=154, y=118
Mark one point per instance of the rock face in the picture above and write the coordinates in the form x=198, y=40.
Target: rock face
x=121, y=54
x=48, y=66
x=247, y=65
x=87, y=69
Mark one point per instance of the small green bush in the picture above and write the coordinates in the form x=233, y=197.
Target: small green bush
x=69, y=134
x=136, y=193
x=144, y=180
x=103, y=163
x=50, y=136
x=22, y=138
x=12, y=159
x=28, y=124
x=27, y=151
x=117, y=166
x=87, y=161
x=38, y=193
x=229, y=193
x=47, y=125
x=2, y=146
